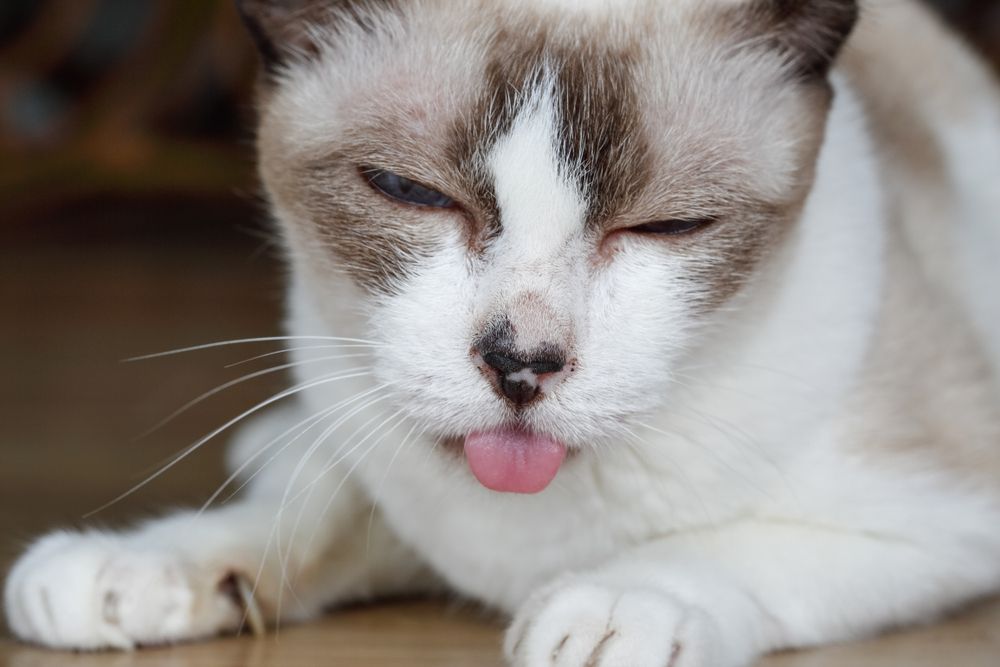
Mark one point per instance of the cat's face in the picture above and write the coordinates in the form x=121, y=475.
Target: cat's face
x=541, y=204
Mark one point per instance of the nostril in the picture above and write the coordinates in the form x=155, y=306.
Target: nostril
x=502, y=363
x=547, y=366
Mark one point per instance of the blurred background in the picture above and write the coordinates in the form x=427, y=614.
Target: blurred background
x=140, y=109
x=130, y=224
x=123, y=103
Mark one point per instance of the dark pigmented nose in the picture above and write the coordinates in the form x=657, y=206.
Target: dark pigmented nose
x=518, y=377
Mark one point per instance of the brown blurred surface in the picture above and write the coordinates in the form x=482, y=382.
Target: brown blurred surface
x=425, y=635
x=121, y=98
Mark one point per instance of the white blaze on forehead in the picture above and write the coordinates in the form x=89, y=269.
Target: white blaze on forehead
x=540, y=203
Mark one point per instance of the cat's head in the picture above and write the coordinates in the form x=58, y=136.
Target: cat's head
x=539, y=203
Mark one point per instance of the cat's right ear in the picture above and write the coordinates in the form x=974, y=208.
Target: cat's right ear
x=810, y=33
x=283, y=29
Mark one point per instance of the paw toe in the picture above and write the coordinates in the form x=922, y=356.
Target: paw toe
x=90, y=591
x=594, y=626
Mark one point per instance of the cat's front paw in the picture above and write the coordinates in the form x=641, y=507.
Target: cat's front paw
x=591, y=625
x=92, y=591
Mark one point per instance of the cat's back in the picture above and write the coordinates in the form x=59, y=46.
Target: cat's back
x=933, y=108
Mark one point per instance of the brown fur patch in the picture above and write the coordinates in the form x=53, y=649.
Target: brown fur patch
x=282, y=29
x=376, y=240
x=927, y=386
x=810, y=33
x=600, y=134
x=891, y=89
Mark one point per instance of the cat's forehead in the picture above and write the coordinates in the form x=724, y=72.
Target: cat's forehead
x=630, y=88
x=570, y=105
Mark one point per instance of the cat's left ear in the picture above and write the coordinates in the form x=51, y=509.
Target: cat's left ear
x=809, y=33
x=284, y=29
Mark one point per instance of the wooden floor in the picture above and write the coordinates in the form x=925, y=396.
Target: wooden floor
x=71, y=308
x=423, y=635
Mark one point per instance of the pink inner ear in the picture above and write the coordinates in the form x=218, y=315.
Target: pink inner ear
x=513, y=460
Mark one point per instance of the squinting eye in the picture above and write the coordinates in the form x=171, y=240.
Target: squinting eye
x=671, y=227
x=403, y=189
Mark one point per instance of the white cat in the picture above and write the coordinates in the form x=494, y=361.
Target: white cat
x=711, y=294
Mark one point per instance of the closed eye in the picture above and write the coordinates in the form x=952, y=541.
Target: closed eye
x=674, y=227
x=404, y=190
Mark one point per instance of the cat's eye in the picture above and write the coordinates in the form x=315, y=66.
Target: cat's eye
x=675, y=227
x=403, y=189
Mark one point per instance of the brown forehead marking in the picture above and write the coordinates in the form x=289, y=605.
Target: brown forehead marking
x=600, y=131
x=375, y=241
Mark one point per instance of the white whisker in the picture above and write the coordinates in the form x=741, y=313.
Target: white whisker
x=286, y=350
x=284, y=555
x=315, y=418
x=378, y=489
x=243, y=341
x=364, y=455
x=197, y=445
x=326, y=412
x=240, y=380
x=286, y=502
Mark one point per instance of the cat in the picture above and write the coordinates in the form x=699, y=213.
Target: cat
x=677, y=324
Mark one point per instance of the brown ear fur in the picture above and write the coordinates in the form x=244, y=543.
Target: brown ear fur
x=284, y=29
x=809, y=32
x=278, y=27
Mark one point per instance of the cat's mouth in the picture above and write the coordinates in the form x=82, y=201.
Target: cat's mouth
x=512, y=459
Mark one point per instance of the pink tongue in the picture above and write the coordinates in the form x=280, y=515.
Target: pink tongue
x=513, y=460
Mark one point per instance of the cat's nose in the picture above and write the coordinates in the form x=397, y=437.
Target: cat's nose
x=520, y=377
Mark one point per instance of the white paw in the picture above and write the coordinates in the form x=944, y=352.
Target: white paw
x=91, y=591
x=589, y=625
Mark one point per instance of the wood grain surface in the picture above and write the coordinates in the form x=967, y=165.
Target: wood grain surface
x=72, y=306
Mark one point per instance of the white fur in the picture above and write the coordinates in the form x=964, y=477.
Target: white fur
x=973, y=145
x=540, y=206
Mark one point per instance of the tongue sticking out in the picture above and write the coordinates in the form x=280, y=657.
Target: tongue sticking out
x=514, y=460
